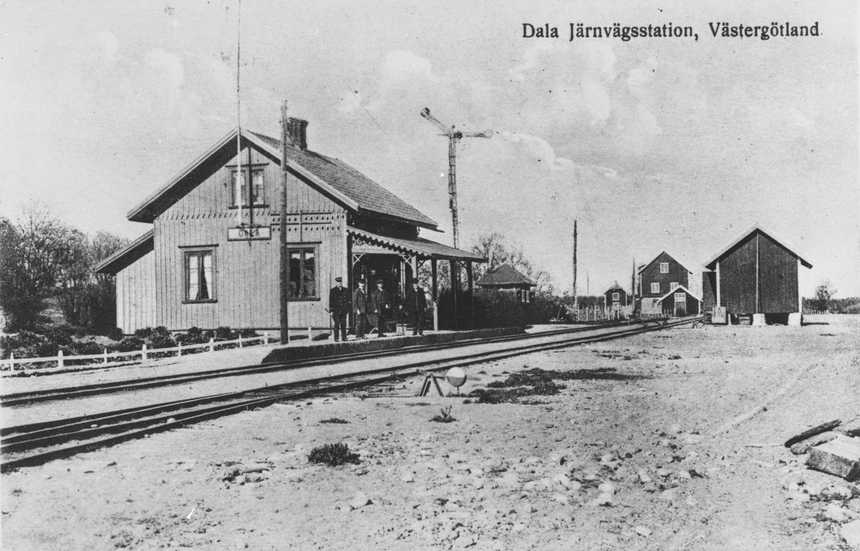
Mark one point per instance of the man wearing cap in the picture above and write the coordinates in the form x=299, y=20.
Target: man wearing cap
x=415, y=305
x=377, y=307
x=339, y=304
x=359, y=306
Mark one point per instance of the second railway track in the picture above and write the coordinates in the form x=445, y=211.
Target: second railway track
x=36, y=443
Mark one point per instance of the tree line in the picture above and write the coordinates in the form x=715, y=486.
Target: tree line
x=43, y=259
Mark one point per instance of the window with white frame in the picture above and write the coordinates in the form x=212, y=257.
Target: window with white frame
x=239, y=194
x=616, y=296
x=655, y=288
x=674, y=285
x=303, y=273
x=680, y=297
x=664, y=267
x=199, y=275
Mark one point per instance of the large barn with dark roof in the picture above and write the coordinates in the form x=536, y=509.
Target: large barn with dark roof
x=211, y=257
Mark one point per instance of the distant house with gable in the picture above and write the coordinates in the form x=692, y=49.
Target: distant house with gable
x=657, y=278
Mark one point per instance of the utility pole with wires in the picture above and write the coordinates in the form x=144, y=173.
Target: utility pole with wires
x=285, y=260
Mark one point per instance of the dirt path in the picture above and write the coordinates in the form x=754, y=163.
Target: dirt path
x=622, y=459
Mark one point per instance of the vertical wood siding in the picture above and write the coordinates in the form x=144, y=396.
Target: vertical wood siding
x=246, y=277
x=738, y=277
x=651, y=274
x=778, y=277
x=135, y=295
x=709, y=291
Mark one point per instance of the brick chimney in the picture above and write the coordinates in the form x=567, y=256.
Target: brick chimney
x=297, y=130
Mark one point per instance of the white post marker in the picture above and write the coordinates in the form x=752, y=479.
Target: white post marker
x=105, y=356
x=60, y=358
x=211, y=344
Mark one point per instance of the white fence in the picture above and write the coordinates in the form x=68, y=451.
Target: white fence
x=108, y=358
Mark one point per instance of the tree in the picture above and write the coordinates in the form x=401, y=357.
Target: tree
x=823, y=294
x=495, y=249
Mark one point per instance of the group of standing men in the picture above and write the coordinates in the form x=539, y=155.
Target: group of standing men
x=374, y=308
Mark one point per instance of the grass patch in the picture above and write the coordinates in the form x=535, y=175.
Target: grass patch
x=333, y=455
x=539, y=382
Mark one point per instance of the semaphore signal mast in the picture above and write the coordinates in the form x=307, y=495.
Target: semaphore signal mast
x=453, y=136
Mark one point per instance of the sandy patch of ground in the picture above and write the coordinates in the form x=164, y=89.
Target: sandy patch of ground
x=662, y=458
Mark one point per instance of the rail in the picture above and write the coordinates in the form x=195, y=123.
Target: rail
x=115, y=358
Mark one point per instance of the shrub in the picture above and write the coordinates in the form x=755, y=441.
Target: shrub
x=333, y=455
x=23, y=344
x=86, y=348
x=160, y=338
x=115, y=334
x=248, y=333
x=445, y=417
x=192, y=336
x=143, y=333
x=224, y=334
x=130, y=344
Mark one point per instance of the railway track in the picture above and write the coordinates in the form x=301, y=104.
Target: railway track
x=37, y=443
x=23, y=398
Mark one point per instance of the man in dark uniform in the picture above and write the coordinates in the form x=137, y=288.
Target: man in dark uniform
x=339, y=303
x=359, y=306
x=377, y=307
x=415, y=305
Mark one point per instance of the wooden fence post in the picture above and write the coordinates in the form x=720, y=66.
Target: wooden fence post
x=179, y=350
x=265, y=340
x=211, y=344
x=105, y=356
x=240, y=341
x=310, y=334
x=143, y=352
x=11, y=361
x=60, y=362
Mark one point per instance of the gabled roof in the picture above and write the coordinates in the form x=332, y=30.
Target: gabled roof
x=615, y=287
x=710, y=263
x=332, y=177
x=504, y=275
x=675, y=290
x=424, y=248
x=127, y=255
x=641, y=268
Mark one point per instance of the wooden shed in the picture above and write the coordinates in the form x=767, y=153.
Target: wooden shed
x=211, y=257
x=756, y=275
x=507, y=278
x=680, y=302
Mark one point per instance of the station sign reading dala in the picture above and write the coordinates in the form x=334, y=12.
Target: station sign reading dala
x=246, y=232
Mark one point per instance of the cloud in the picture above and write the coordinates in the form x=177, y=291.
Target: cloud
x=401, y=65
x=530, y=59
x=540, y=150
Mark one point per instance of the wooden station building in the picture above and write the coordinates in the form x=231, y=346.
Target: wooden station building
x=680, y=302
x=657, y=278
x=755, y=275
x=212, y=255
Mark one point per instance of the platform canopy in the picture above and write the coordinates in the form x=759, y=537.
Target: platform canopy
x=365, y=242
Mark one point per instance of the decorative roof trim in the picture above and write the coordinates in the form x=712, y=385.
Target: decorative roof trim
x=421, y=247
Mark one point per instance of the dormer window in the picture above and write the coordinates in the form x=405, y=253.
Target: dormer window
x=239, y=194
x=664, y=267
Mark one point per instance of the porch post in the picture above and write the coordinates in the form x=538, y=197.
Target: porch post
x=471, y=292
x=435, y=295
x=455, y=282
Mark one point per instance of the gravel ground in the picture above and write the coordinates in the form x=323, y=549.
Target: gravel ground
x=669, y=440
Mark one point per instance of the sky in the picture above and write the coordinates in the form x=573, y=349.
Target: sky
x=651, y=144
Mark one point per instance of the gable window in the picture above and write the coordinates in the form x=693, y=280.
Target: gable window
x=615, y=296
x=655, y=288
x=303, y=273
x=664, y=267
x=674, y=285
x=199, y=276
x=680, y=297
x=240, y=193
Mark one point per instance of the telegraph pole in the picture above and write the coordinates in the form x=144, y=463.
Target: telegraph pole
x=575, y=299
x=285, y=260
